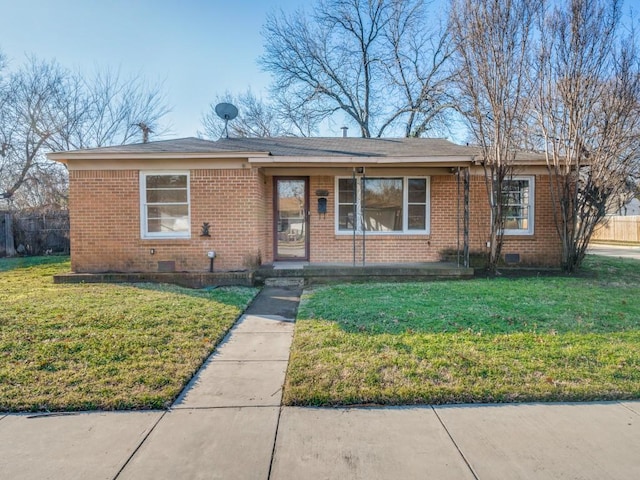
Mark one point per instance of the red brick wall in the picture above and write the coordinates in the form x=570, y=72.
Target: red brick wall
x=105, y=222
x=541, y=249
x=237, y=203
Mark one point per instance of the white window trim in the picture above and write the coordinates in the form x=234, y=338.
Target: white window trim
x=144, y=234
x=532, y=209
x=405, y=206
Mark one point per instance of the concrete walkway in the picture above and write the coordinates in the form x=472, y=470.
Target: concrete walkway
x=228, y=424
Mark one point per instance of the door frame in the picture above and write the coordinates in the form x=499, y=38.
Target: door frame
x=275, y=219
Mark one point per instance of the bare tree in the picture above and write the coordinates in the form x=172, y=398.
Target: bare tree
x=378, y=61
x=588, y=112
x=255, y=118
x=106, y=109
x=27, y=121
x=44, y=107
x=493, y=41
x=259, y=118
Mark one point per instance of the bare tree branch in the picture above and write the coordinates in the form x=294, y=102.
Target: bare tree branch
x=378, y=61
x=44, y=107
x=588, y=116
x=494, y=39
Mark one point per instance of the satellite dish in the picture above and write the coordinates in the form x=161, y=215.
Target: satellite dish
x=226, y=111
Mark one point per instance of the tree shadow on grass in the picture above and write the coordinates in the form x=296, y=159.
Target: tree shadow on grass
x=13, y=263
x=229, y=295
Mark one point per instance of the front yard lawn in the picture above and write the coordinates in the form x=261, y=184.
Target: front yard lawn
x=101, y=346
x=484, y=340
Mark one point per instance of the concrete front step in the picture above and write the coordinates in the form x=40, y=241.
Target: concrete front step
x=284, y=282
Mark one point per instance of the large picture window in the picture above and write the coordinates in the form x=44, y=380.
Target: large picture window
x=518, y=205
x=383, y=205
x=164, y=205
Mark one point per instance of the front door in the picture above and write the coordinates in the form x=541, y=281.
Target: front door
x=291, y=233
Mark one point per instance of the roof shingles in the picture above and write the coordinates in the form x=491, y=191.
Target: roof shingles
x=296, y=147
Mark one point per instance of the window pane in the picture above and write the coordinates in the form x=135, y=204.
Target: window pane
x=515, y=197
x=417, y=190
x=345, y=217
x=166, y=181
x=383, y=204
x=387, y=191
x=417, y=217
x=167, y=196
x=345, y=190
x=167, y=225
x=167, y=204
x=160, y=211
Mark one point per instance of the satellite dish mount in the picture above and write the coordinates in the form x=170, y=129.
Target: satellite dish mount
x=226, y=111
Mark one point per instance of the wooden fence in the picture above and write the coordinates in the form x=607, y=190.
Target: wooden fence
x=42, y=233
x=6, y=235
x=619, y=229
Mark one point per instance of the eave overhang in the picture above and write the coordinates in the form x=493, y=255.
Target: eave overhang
x=345, y=161
x=65, y=157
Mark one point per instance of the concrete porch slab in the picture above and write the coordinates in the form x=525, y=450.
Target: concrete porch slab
x=236, y=384
x=367, y=444
x=221, y=443
x=78, y=446
x=255, y=346
x=324, y=273
x=586, y=441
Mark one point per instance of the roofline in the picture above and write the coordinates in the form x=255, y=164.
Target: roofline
x=64, y=157
x=358, y=160
x=263, y=158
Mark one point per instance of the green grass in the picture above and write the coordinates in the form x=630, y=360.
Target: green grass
x=102, y=346
x=484, y=340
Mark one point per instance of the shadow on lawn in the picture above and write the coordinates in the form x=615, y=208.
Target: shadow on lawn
x=235, y=296
x=13, y=263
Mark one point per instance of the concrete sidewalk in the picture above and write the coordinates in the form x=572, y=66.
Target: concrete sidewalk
x=228, y=424
x=527, y=441
x=622, y=251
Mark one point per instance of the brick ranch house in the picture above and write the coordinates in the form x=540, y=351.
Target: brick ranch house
x=163, y=206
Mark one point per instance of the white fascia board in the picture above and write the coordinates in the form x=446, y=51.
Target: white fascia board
x=359, y=160
x=64, y=157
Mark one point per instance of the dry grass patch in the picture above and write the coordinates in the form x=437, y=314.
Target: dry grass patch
x=101, y=346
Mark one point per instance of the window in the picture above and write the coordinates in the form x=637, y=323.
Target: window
x=383, y=205
x=517, y=198
x=164, y=205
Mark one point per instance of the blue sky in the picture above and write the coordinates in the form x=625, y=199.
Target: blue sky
x=198, y=48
